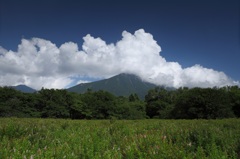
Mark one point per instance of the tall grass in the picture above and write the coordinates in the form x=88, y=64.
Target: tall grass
x=58, y=138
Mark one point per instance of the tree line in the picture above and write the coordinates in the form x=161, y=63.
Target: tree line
x=182, y=103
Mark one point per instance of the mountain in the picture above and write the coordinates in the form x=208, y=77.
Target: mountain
x=24, y=88
x=120, y=85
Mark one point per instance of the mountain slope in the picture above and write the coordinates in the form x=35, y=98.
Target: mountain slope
x=24, y=88
x=120, y=85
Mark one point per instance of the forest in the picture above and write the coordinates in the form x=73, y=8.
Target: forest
x=181, y=103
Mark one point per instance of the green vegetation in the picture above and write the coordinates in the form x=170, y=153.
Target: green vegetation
x=28, y=137
x=182, y=103
x=61, y=138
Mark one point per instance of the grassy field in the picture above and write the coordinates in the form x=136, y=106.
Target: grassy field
x=58, y=138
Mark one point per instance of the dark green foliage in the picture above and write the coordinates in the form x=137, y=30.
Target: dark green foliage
x=183, y=103
x=77, y=108
x=15, y=103
x=103, y=105
x=234, y=97
x=98, y=105
x=159, y=102
x=199, y=103
x=53, y=103
x=130, y=110
x=133, y=97
x=195, y=103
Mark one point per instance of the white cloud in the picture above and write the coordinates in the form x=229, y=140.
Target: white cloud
x=82, y=81
x=2, y=51
x=40, y=63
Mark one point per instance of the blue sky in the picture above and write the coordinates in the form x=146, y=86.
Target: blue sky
x=189, y=32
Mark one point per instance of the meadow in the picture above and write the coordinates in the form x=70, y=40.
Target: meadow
x=92, y=139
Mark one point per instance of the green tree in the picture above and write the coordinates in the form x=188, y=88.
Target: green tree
x=76, y=107
x=53, y=103
x=234, y=96
x=99, y=105
x=10, y=102
x=133, y=97
x=207, y=103
x=159, y=103
x=129, y=110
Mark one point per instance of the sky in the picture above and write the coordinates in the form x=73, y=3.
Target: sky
x=60, y=43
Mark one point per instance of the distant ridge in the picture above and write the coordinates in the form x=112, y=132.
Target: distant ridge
x=119, y=85
x=24, y=89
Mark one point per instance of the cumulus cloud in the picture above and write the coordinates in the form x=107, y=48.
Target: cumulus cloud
x=40, y=63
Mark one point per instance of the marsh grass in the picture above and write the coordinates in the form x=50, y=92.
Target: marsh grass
x=58, y=138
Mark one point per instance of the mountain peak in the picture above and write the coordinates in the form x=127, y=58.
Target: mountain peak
x=24, y=88
x=120, y=85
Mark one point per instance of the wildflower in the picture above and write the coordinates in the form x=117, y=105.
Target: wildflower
x=189, y=144
x=164, y=137
x=39, y=151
